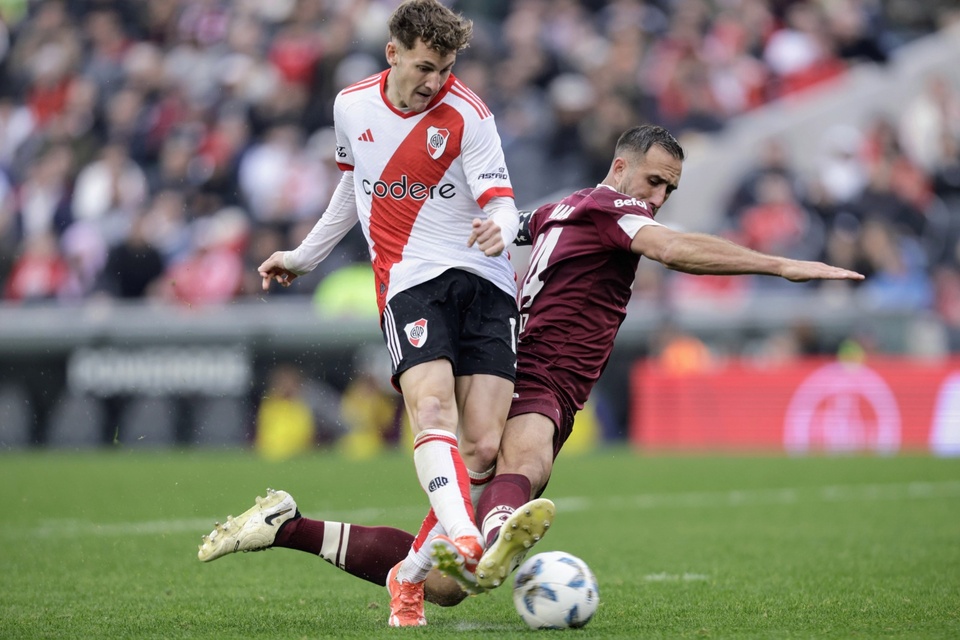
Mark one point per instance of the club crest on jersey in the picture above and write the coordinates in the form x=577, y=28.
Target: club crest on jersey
x=437, y=141
x=417, y=332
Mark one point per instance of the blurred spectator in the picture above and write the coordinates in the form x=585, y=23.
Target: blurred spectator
x=285, y=427
x=165, y=226
x=85, y=253
x=777, y=222
x=39, y=272
x=841, y=175
x=132, y=266
x=173, y=111
x=106, y=46
x=16, y=125
x=109, y=191
x=800, y=53
x=897, y=269
x=893, y=197
x=44, y=197
x=371, y=409
x=773, y=161
x=857, y=29
x=886, y=161
x=931, y=117
x=680, y=352
x=213, y=272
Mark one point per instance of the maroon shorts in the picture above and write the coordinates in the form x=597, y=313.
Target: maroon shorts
x=531, y=395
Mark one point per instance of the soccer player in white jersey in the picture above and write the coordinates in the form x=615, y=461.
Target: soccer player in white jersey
x=424, y=171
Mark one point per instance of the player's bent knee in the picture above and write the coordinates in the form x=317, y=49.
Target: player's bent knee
x=442, y=590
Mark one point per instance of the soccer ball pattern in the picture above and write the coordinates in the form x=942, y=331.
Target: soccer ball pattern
x=555, y=590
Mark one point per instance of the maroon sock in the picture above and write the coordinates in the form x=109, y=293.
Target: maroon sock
x=368, y=553
x=503, y=495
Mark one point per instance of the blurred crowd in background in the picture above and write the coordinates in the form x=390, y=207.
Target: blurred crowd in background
x=160, y=150
x=163, y=149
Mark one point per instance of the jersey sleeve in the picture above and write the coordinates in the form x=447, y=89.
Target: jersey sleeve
x=537, y=218
x=620, y=220
x=344, y=152
x=483, y=161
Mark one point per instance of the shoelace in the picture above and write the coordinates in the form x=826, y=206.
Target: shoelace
x=409, y=600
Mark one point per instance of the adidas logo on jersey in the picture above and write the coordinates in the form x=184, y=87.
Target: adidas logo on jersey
x=366, y=136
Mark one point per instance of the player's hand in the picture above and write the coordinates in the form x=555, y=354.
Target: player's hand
x=273, y=269
x=802, y=271
x=486, y=235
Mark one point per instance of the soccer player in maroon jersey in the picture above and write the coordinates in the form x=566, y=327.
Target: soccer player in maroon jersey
x=574, y=294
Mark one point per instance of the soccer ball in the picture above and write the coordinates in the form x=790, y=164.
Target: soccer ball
x=555, y=590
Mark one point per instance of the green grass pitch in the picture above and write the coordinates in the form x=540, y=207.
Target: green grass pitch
x=103, y=545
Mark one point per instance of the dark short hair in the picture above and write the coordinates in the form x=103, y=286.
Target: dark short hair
x=435, y=25
x=639, y=139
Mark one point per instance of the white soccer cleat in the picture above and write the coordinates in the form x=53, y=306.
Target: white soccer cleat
x=253, y=530
x=524, y=528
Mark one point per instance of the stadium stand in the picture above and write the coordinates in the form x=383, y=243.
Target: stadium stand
x=153, y=153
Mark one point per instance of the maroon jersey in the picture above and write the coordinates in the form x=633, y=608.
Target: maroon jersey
x=576, y=289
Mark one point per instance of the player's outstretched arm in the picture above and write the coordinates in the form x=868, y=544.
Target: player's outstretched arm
x=705, y=254
x=273, y=269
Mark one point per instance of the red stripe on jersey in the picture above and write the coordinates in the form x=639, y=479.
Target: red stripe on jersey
x=366, y=83
x=391, y=220
x=345, y=167
x=494, y=192
x=460, y=90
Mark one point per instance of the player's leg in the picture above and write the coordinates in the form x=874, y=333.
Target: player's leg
x=275, y=522
x=512, y=523
x=368, y=553
x=428, y=392
x=484, y=401
x=486, y=369
x=527, y=450
x=253, y=530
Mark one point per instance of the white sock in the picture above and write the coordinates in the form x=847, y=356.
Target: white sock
x=418, y=562
x=444, y=478
x=336, y=539
x=478, y=482
x=494, y=520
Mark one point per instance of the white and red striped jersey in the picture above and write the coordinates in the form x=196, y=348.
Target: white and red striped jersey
x=420, y=179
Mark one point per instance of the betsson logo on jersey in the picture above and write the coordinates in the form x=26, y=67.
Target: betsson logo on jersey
x=403, y=188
